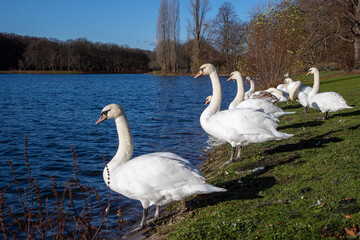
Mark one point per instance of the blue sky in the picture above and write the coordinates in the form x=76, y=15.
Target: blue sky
x=123, y=22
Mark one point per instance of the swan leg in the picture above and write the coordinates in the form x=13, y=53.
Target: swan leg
x=239, y=153
x=232, y=154
x=157, y=211
x=231, y=157
x=325, y=115
x=305, y=110
x=143, y=220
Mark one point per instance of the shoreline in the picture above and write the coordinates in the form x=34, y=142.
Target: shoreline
x=64, y=72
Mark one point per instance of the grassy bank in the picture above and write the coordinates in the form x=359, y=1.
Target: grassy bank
x=305, y=187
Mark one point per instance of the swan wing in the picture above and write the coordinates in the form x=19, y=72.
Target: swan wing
x=328, y=102
x=264, y=106
x=158, y=178
x=260, y=104
x=241, y=125
x=264, y=95
x=306, y=89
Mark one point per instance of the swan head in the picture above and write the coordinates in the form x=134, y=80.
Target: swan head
x=249, y=80
x=234, y=75
x=208, y=99
x=110, y=111
x=288, y=80
x=205, y=69
x=312, y=70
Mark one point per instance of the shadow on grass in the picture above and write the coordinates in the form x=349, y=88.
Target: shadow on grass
x=346, y=114
x=314, y=123
x=247, y=187
x=354, y=128
x=291, y=106
x=315, y=142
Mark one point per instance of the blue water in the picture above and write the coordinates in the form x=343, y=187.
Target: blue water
x=57, y=111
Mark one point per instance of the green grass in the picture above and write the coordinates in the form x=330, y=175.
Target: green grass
x=305, y=187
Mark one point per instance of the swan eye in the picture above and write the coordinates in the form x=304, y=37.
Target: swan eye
x=105, y=112
x=202, y=69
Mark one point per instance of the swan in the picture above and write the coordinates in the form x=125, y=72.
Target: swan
x=283, y=88
x=290, y=84
x=278, y=94
x=254, y=103
x=238, y=127
x=154, y=179
x=259, y=94
x=326, y=101
x=298, y=91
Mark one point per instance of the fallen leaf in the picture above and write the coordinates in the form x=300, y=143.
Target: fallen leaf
x=347, y=216
x=349, y=232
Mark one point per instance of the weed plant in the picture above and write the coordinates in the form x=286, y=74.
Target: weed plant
x=68, y=212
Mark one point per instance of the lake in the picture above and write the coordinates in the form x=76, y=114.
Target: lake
x=58, y=111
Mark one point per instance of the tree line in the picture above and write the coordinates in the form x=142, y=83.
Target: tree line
x=281, y=37
x=30, y=53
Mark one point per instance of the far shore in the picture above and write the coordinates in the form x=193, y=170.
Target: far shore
x=65, y=72
x=156, y=73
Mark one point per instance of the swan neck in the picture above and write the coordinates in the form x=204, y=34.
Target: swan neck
x=252, y=86
x=316, y=85
x=215, y=103
x=125, y=148
x=240, y=92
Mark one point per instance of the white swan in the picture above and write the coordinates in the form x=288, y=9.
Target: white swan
x=153, y=179
x=326, y=101
x=254, y=103
x=259, y=94
x=239, y=127
x=283, y=88
x=290, y=84
x=278, y=94
x=298, y=91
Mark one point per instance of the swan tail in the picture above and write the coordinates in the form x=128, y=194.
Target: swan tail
x=287, y=113
x=189, y=190
x=282, y=135
x=281, y=114
x=343, y=102
x=203, y=189
x=211, y=188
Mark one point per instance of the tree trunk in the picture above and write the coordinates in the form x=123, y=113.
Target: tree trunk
x=357, y=53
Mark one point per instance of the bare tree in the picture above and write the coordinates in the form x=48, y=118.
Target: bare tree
x=174, y=28
x=197, y=28
x=334, y=19
x=162, y=36
x=227, y=34
x=167, y=35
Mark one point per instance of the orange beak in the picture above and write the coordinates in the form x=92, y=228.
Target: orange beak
x=308, y=73
x=200, y=73
x=230, y=78
x=102, y=118
x=207, y=101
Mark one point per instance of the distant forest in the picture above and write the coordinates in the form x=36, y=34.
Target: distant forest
x=32, y=53
x=285, y=36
